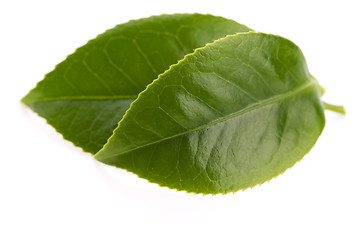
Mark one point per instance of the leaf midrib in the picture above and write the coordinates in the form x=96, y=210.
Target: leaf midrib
x=258, y=105
x=81, y=98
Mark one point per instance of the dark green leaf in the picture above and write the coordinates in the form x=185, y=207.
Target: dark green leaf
x=231, y=115
x=86, y=95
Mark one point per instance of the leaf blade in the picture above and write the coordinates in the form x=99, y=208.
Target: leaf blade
x=103, y=69
x=208, y=144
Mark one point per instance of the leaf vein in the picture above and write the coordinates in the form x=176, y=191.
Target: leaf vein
x=236, y=86
x=102, y=82
x=121, y=70
x=233, y=115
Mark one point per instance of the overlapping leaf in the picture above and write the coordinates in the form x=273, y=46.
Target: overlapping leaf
x=86, y=95
x=229, y=116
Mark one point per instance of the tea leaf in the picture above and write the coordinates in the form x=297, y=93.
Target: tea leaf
x=229, y=116
x=86, y=95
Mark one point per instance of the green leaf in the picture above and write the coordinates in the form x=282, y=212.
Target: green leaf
x=229, y=116
x=86, y=95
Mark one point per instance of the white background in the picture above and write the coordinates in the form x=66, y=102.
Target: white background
x=52, y=190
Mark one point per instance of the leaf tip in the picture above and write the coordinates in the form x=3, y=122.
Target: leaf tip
x=25, y=100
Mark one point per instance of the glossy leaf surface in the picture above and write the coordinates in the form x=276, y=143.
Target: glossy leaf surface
x=87, y=94
x=229, y=116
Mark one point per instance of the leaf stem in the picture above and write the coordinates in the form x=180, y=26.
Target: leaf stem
x=322, y=89
x=335, y=108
